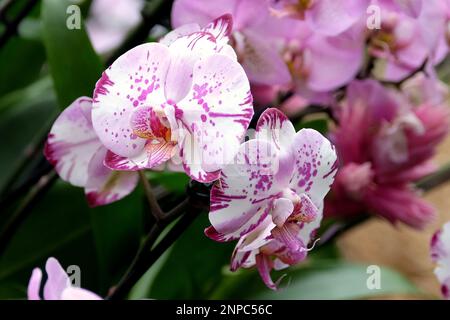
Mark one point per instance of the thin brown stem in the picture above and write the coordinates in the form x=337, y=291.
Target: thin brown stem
x=155, y=209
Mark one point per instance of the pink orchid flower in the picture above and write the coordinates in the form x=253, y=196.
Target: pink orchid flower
x=109, y=22
x=385, y=145
x=77, y=154
x=320, y=64
x=440, y=254
x=327, y=17
x=185, y=98
x=58, y=285
x=271, y=197
x=410, y=34
x=256, y=34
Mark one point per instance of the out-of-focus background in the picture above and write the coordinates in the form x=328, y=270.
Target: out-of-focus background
x=400, y=247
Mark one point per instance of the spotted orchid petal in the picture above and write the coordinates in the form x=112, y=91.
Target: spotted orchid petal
x=213, y=117
x=440, y=254
x=105, y=186
x=188, y=50
x=181, y=31
x=241, y=199
x=248, y=245
x=275, y=127
x=72, y=142
x=135, y=79
x=315, y=166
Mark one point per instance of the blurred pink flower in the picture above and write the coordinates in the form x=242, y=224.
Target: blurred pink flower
x=77, y=154
x=327, y=17
x=411, y=33
x=271, y=197
x=385, y=145
x=58, y=285
x=440, y=254
x=185, y=98
x=320, y=64
x=109, y=22
x=257, y=36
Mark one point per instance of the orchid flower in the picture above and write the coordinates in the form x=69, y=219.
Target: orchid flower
x=385, y=144
x=256, y=34
x=440, y=254
x=327, y=17
x=185, y=99
x=58, y=285
x=109, y=22
x=271, y=197
x=411, y=33
x=77, y=154
x=320, y=64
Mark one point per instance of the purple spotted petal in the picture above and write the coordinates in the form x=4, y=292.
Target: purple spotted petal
x=220, y=28
x=57, y=280
x=214, y=116
x=241, y=199
x=105, y=186
x=186, y=51
x=179, y=32
x=249, y=245
x=135, y=79
x=154, y=154
x=274, y=126
x=34, y=285
x=440, y=254
x=72, y=142
x=315, y=165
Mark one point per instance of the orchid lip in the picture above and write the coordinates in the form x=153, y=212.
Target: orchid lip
x=152, y=124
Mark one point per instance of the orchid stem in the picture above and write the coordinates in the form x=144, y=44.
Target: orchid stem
x=11, y=26
x=148, y=255
x=435, y=179
x=155, y=209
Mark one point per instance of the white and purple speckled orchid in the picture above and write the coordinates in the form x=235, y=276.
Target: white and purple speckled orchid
x=184, y=99
x=271, y=197
x=440, y=254
x=77, y=154
x=58, y=285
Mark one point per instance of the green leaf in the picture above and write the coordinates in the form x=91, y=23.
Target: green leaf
x=25, y=116
x=194, y=266
x=74, y=65
x=141, y=289
x=59, y=226
x=175, y=182
x=21, y=62
x=325, y=280
x=320, y=125
x=117, y=230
